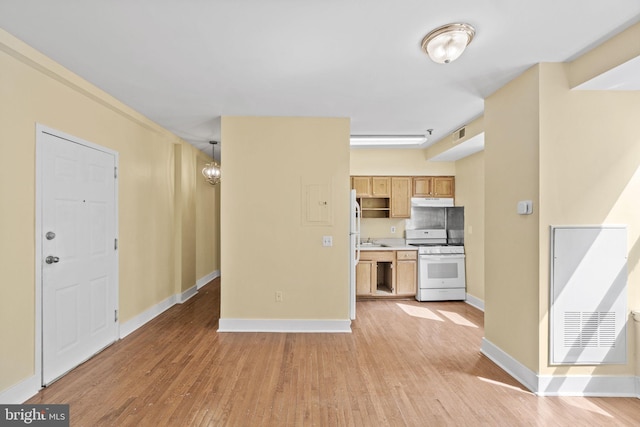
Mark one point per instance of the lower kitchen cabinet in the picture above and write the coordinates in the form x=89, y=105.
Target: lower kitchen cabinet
x=374, y=273
x=406, y=272
x=386, y=273
x=365, y=276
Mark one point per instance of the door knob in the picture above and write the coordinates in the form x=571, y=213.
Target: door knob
x=50, y=235
x=51, y=259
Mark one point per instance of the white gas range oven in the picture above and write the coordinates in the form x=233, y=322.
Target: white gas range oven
x=441, y=270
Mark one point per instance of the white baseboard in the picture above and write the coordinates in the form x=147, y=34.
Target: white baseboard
x=475, y=302
x=187, y=294
x=284, y=325
x=206, y=279
x=587, y=385
x=131, y=325
x=517, y=370
x=562, y=385
x=20, y=392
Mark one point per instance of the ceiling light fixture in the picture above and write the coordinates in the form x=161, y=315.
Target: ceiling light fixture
x=211, y=170
x=445, y=44
x=388, y=140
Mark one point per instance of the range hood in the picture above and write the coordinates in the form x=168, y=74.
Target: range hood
x=428, y=202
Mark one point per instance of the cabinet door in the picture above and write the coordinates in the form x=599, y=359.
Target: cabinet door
x=422, y=186
x=362, y=185
x=365, y=277
x=406, y=277
x=400, y=197
x=443, y=186
x=381, y=186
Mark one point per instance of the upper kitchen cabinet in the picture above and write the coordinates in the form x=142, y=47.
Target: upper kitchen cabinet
x=381, y=186
x=362, y=185
x=433, y=186
x=401, y=197
x=371, y=186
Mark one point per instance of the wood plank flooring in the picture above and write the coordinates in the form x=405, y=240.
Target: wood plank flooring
x=405, y=364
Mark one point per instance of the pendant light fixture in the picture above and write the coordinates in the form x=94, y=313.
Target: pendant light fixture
x=211, y=170
x=445, y=44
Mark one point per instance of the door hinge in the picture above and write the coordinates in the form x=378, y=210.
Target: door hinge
x=115, y=171
x=115, y=244
x=115, y=317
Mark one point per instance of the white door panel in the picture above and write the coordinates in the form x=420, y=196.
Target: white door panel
x=79, y=290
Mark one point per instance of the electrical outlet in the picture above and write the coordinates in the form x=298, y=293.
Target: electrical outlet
x=393, y=229
x=278, y=296
x=327, y=240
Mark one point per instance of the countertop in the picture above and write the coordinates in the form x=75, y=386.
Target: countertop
x=387, y=245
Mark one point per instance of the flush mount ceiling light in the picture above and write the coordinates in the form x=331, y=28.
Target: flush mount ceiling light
x=211, y=170
x=386, y=140
x=445, y=44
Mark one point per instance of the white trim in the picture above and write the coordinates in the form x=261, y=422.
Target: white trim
x=475, y=302
x=21, y=391
x=511, y=366
x=187, y=294
x=206, y=279
x=131, y=325
x=562, y=385
x=284, y=325
x=40, y=130
x=586, y=385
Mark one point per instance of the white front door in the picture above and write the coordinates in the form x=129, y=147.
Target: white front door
x=79, y=280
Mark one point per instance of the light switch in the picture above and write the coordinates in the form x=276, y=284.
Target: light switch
x=327, y=240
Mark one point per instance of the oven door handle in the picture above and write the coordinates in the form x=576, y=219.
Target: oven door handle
x=441, y=258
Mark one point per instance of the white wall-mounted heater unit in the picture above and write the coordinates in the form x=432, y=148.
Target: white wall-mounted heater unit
x=588, y=295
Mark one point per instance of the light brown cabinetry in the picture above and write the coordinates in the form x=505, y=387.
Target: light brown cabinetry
x=365, y=270
x=362, y=185
x=380, y=186
x=371, y=186
x=433, y=186
x=406, y=272
x=374, y=273
x=401, y=197
x=386, y=273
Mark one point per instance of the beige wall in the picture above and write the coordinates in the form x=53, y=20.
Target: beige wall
x=365, y=161
x=390, y=162
x=576, y=154
x=34, y=89
x=589, y=174
x=511, y=247
x=615, y=51
x=470, y=194
x=207, y=222
x=265, y=246
x=474, y=128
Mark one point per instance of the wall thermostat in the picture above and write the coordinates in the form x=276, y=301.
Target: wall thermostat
x=525, y=207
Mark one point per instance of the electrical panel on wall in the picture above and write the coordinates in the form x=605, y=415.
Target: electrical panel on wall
x=588, y=295
x=316, y=203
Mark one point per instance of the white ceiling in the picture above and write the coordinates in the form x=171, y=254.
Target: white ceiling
x=184, y=63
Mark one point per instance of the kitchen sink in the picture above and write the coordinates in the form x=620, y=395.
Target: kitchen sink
x=372, y=245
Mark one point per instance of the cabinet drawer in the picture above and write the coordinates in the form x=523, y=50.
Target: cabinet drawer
x=376, y=256
x=407, y=254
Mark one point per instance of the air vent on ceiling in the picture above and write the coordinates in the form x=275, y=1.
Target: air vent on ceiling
x=459, y=134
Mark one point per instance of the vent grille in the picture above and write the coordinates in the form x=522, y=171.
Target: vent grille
x=589, y=329
x=459, y=134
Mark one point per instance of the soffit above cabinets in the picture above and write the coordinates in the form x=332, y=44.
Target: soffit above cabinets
x=462, y=150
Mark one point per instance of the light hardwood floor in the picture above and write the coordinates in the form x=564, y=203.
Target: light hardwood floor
x=406, y=363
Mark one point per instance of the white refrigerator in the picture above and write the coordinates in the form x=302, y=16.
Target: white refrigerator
x=354, y=251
